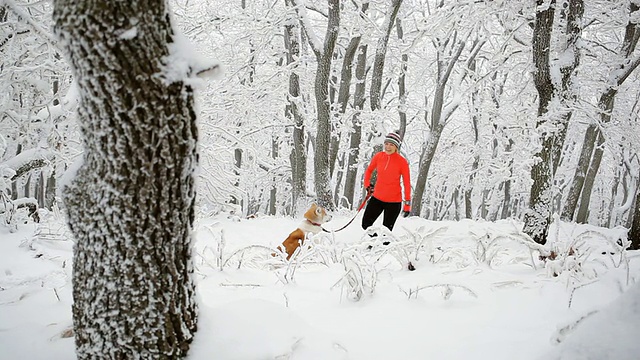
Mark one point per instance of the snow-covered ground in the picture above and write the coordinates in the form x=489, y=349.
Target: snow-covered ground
x=478, y=292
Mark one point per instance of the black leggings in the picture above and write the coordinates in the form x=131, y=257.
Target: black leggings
x=375, y=207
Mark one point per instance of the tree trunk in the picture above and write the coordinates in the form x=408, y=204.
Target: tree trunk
x=468, y=207
x=615, y=184
x=131, y=204
x=356, y=135
x=585, y=200
x=634, y=232
x=402, y=87
x=577, y=183
x=381, y=52
x=572, y=17
x=40, y=189
x=538, y=215
x=324, y=55
x=292, y=112
x=344, y=94
x=237, y=165
x=50, y=191
x=273, y=198
x=426, y=158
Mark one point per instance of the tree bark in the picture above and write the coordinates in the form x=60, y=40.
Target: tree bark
x=292, y=112
x=381, y=52
x=324, y=55
x=572, y=16
x=468, y=209
x=344, y=93
x=356, y=136
x=634, y=231
x=131, y=204
x=538, y=216
x=402, y=82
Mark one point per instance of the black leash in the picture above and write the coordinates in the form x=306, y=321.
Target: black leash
x=364, y=202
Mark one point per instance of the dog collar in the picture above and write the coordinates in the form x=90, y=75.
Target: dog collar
x=312, y=223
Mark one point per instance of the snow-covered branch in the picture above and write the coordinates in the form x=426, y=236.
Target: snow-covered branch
x=315, y=43
x=17, y=9
x=28, y=160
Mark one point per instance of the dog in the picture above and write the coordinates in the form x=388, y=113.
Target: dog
x=314, y=217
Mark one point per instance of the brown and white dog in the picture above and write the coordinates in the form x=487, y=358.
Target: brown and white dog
x=313, y=218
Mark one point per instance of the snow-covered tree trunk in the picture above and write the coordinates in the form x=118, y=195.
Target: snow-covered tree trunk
x=506, y=207
x=344, y=94
x=402, y=82
x=538, y=215
x=381, y=51
x=131, y=204
x=475, y=114
x=426, y=158
x=634, y=232
x=571, y=12
x=356, y=135
x=292, y=112
x=321, y=174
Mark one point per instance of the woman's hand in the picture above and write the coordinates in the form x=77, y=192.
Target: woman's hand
x=406, y=209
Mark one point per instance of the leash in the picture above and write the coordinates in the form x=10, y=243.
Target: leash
x=364, y=202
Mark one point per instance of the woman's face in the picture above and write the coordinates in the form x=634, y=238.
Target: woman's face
x=389, y=148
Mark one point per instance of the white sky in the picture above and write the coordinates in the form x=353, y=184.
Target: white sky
x=505, y=310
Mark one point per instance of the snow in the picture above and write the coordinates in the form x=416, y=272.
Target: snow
x=69, y=175
x=305, y=21
x=184, y=62
x=477, y=293
x=27, y=156
x=129, y=34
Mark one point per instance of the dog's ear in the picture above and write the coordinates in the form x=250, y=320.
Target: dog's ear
x=318, y=210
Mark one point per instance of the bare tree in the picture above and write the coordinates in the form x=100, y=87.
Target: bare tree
x=131, y=204
x=448, y=53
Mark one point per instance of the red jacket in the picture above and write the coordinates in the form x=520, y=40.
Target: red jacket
x=390, y=168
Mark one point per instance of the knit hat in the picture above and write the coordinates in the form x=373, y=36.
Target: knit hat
x=394, y=139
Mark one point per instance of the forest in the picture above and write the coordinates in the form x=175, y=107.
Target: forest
x=135, y=120
x=509, y=109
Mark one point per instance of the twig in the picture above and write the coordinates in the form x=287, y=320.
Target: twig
x=241, y=285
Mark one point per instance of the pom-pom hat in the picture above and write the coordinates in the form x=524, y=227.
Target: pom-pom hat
x=394, y=139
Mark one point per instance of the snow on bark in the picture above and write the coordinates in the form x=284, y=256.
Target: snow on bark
x=131, y=204
x=184, y=62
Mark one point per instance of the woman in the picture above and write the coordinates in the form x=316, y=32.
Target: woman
x=387, y=195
